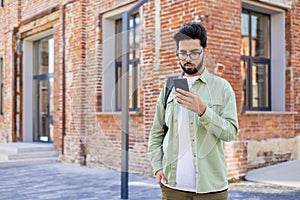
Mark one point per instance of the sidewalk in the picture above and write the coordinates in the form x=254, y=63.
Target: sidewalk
x=286, y=174
x=69, y=182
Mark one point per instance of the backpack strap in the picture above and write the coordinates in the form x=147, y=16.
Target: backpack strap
x=169, y=87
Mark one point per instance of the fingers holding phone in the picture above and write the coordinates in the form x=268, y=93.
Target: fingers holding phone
x=181, y=89
x=181, y=83
x=187, y=99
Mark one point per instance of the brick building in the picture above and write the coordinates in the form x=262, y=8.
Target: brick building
x=60, y=72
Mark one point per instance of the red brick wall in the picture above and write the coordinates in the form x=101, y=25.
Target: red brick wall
x=9, y=20
x=34, y=7
x=293, y=62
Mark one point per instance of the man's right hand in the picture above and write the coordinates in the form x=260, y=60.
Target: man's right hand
x=160, y=177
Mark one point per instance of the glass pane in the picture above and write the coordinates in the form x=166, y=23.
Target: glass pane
x=260, y=85
x=119, y=40
x=43, y=108
x=134, y=37
x=51, y=55
x=245, y=49
x=260, y=35
x=131, y=81
x=131, y=38
x=43, y=57
x=51, y=107
x=245, y=79
x=118, y=85
x=137, y=37
x=138, y=89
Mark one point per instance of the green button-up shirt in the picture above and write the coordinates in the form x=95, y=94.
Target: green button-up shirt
x=219, y=123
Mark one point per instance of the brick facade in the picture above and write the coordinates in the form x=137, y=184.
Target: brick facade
x=84, y=133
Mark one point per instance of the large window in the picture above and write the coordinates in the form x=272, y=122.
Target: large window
x=134, y=63
x=256, y=60
x=111, y=53
x=1, y=85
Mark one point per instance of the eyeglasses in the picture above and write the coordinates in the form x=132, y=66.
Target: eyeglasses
x=193, y=55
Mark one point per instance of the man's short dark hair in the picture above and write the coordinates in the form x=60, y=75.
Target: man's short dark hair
x=191, y=31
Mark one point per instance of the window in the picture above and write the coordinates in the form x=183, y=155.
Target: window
x=255, y=60
x=134, y=63
x=263, y=57
x=111, y=54
x=1, y=85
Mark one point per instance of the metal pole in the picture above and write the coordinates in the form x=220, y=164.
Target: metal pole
x=124, y=105
x=125, y=97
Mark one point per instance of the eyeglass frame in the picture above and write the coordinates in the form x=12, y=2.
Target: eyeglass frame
x=188, y=55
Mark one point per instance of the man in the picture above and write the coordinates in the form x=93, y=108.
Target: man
x=188, y=160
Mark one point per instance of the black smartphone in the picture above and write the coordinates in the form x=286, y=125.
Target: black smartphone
x=181, y=83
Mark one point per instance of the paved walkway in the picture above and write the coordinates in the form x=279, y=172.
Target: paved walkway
x=287, y=173
x=64, y=182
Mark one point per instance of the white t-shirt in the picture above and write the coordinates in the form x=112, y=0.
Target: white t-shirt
x=186, y=173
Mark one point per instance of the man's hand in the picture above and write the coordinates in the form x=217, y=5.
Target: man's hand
x=160, y=177
x=190, y=101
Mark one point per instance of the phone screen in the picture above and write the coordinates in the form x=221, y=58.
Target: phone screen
x=181, y=83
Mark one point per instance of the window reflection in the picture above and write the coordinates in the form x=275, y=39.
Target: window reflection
x=260, y=85
x=260, y=35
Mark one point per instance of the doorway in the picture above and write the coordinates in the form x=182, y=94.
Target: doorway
x=43, y=68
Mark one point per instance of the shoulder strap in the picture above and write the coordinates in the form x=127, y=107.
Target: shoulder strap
x=169, y=87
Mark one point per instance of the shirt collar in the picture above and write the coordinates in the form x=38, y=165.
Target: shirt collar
x=204, y=76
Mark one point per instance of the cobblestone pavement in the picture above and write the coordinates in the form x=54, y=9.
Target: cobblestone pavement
x=62, y=181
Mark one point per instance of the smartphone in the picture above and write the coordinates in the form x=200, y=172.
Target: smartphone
x=181, y=83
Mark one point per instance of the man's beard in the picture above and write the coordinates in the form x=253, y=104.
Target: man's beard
x=193, y=70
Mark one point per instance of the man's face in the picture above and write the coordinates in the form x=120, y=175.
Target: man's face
x=195, y=52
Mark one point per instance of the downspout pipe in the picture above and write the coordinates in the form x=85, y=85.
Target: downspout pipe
x=64, y=75
x=125, y=96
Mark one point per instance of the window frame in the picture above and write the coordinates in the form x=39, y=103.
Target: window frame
x=108, y=56
x=134, y=61
x=250, y=60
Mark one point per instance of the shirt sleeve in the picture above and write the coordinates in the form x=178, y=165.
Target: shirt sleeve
x=224, y=125
x=156, y=135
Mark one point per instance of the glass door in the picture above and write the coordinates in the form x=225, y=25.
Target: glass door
x=43, y=57
x=44, y=108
